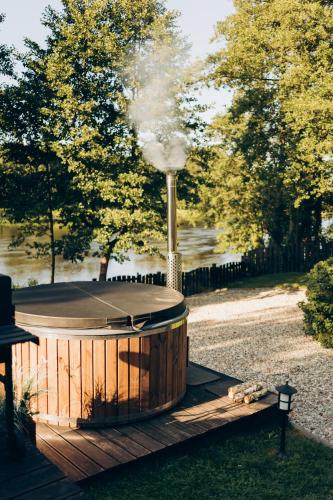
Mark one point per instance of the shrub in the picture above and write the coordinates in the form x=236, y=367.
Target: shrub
x=318, y=310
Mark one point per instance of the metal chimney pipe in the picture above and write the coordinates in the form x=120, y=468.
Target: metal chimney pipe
x=174, y=271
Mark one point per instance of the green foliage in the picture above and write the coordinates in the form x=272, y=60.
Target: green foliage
x=242, y=467
x=318, y=310
x=6, y=62
x=37, y=190
x=90, y=46
x=23, y=402
x=273, y=167
x=68, y=155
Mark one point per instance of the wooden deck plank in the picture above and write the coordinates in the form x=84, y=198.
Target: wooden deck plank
x=87, y=452
x=184, y=421
x=156, y=432
x=88, y=447
x=198, y=376
x=73, y=455
x=60, y=489
x=125, y=442
x=189, y=419
x=29, y=463
x=142, y=438
x=34, y=476
x=117, y=453
x=59, y=460
x=30, y=481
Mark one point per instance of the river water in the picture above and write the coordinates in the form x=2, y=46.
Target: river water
x=197, y=246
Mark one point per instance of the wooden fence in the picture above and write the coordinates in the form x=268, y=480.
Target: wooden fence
x=254, y=263
x=197, y=280
x=288, y=259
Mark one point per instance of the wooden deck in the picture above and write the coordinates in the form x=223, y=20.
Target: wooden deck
x=84, y=453
x=34, y=477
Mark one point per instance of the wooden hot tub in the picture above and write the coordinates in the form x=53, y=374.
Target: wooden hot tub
x=107, y=353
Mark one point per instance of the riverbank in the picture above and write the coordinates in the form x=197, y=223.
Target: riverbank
x=257, y=333
x=196, y=244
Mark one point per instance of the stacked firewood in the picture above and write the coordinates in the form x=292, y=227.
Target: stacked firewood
x=247, y=392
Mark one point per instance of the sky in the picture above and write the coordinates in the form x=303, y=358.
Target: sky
x=197, y=21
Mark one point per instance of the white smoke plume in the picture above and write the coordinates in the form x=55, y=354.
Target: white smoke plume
x=155, y=111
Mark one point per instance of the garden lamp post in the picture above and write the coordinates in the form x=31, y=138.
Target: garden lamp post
x=286, y=393
x=174, y=271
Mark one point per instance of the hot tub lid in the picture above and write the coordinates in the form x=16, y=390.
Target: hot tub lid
x=90, y=304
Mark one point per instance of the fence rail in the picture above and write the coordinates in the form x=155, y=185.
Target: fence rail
x=299, y=258
x=195, y=281
x=254, y=263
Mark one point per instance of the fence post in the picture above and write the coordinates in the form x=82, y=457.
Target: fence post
x=7, y=318
x=6, y=306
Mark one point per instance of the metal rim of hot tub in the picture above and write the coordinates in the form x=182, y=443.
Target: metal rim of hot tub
x=148, y=363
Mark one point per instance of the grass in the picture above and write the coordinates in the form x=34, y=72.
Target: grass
x=245, y=466
x=277, y=280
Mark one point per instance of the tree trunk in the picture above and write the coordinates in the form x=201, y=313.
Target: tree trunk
x=317, y=229
x=53, y=262
x=317, y=224
x=103, y=269
x=51, y=224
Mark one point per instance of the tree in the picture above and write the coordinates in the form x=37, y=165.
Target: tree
x=273, y=148
x=6, y=62
x=37, y=190
x=90, y=45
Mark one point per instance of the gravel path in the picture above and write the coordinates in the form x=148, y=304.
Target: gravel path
x=257, y=334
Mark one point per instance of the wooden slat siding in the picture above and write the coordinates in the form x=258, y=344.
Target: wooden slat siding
x=34, y=375
x=119, y=454
x=52, y=376
x=75, y=383
x=185, y=353
x=42, y=376
x=17, y=378
x=123, y=376
x=63, y=378
x=154, y=382
x=99, y=378
x=163, y=368
x=145, y=373
x=87, y=393
x=170, y=366
x=111, y=378
x=59, y=460
x=175, y=370
x=134, y=375
x=87, y=466
x=25, y=366
x=181, y=368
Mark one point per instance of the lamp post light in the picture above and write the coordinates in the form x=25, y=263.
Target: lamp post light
x=286, y=393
